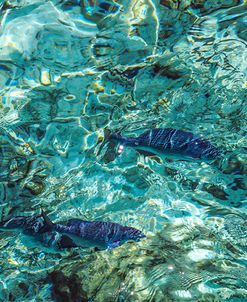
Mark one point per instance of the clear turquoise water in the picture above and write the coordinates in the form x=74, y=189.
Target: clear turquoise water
x=71, y=69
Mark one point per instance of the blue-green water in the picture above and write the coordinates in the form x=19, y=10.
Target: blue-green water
x=69, y=70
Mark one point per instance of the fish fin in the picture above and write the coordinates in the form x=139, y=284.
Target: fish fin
x=144, y=134
x=66, y=242
x=56, y=240
x=110, y=135
x=145, y=153
x=113, y=245
x=73, y=221
x=110, y=153
x=108, y=146
x=47, y=220
x=103, y=141
x=107, y=133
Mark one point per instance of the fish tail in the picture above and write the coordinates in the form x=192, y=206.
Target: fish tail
x=114, y=136
x=117, y=137
x=214, y=153
x=110, y=136
x=107, y=134
x=14, y=222
x=113, y=139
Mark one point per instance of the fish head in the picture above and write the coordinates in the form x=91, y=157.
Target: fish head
x=212, y=153
x=133, y=234
x=126, y=234
x=201, y=148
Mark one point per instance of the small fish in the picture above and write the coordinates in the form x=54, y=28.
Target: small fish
x=75, y=233
x=170, y=141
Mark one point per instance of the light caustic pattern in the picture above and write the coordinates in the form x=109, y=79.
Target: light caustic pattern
x=70, y=71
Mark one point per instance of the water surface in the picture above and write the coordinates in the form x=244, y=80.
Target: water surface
x=69, y=70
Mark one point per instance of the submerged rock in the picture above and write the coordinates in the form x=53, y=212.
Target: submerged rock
x=161, y=268
x=66, y=288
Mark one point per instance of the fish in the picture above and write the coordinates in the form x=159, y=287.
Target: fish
x=169, y=141
x=75, y=233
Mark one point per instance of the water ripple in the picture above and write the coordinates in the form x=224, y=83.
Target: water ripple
x=70, y=72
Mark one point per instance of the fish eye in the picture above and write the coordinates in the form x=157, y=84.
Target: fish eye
x=120, y=149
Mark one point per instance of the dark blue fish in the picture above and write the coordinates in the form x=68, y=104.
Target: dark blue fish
x=171, y=141
x=74, y=233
